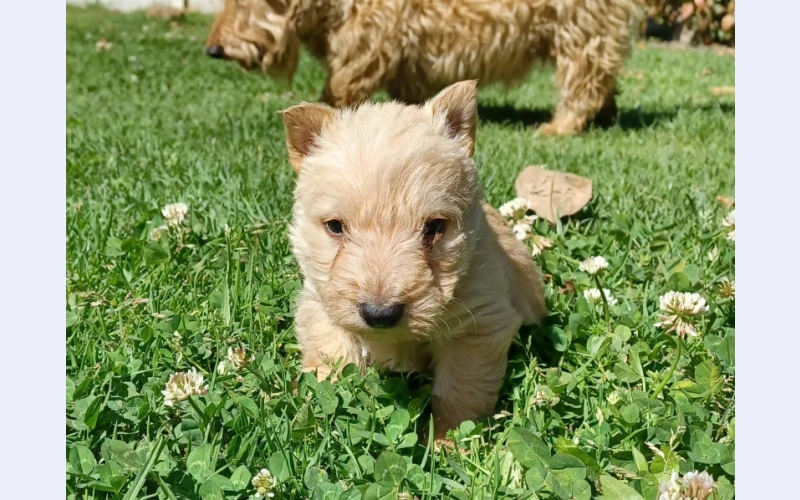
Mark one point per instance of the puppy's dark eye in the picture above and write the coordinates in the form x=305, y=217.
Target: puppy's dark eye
x=434, y=228
x=334, y=227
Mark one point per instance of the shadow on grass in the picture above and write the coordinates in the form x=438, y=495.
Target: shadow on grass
x=627, y=119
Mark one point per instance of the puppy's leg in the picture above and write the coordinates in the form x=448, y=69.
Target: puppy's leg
x=469, y=372
x=586, y=71
x=322, y=343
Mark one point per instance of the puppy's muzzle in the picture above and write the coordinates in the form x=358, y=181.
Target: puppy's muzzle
x=216, y=51
x=381, y=316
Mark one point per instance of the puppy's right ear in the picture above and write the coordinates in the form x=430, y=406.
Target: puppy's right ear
x=303, y=123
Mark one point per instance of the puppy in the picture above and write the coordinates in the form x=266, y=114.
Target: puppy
x=414, y=48
x=404, y=263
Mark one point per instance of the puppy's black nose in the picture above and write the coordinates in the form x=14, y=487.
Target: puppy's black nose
x=216, y=51
x=379, y=316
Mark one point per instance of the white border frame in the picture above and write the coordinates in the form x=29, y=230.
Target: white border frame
x=767, y=195
x=33, y=250
x=32, y=196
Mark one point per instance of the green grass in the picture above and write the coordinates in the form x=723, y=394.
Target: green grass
x=579, y=392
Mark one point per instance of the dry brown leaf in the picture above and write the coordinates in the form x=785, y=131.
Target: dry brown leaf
x=553, y=194
x=726, y=201
x=569, y=287
x=631, y=74
x=718, y=91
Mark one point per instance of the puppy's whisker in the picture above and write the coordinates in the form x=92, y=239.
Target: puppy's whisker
x=464, y=306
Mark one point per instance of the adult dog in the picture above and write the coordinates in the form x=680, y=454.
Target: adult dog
x=415, y=48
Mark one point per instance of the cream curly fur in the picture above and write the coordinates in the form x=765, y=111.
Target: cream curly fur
x=414, y=48
x=383, y=171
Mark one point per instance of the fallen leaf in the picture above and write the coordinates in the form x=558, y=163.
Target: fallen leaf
x=718, y=91
x=706, y=72
x=726, y=201
x=553, y=194
x=569, y=287
x=631, y=74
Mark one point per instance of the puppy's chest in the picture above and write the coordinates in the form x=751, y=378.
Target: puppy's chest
x=401, y=356
x=416, y=356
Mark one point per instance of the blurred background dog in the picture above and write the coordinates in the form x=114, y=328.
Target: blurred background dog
x=414, y=48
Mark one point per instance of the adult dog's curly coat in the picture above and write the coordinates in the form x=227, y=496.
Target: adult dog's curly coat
x=414, y=48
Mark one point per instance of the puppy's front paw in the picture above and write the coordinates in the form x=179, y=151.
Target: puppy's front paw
x=323, y=372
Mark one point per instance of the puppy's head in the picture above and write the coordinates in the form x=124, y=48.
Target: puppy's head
x=258, y=34
x=386, y=204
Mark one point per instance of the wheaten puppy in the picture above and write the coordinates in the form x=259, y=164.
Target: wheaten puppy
x=414, y=48
x=404, y=263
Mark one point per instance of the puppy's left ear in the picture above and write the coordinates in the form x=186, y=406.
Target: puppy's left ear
x=303, y=123
x=458, y=105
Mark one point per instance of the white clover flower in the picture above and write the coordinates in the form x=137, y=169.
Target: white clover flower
x=237, y=358
x=264, y=482
x=222, y=367
x=727, y=289
x=103, y=45
x=730, y=221
x=544, y=397
x=593, y=296
x=593, y=265
x=713, y=254
x=670, y=489
x=540, y=243
x=522, y=230
x=679, y=309
x=158, y=232
x=613, y=398
x=600, y=417
x=175, y=213
x=530, y=219
x=515, y=208
x=181, y=385
x=697, y=485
